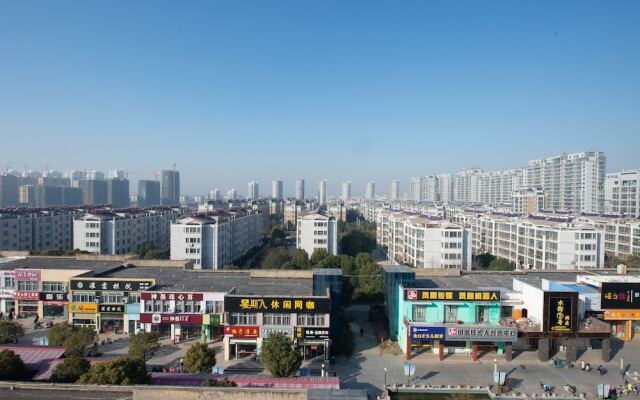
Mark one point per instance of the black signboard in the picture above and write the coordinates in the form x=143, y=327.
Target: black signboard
x=560, y=312
x=451, y=295
x=101, y=284
x=307, y=305
x=111, y=308
x=621, y=296
x=47, y=296
x=312, y=333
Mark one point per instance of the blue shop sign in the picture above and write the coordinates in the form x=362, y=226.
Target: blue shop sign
x=132, y=308
x=426, y=333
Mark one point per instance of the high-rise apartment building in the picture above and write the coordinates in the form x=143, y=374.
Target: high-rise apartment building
x=277, y=189
x=148, y=193
x=570, y=181
x=170, y=186
x=346, y=191
x=300, y=189
x=445, y=188
x=232, y=194
x=370, y=191
x=93, y=191
x=214, y=195
x=94, y=175
x=394, y=190
x=253, y=190
x=424, y=188
x=622, y=193
x=528, y=200
x=8, y=191
x=467, y=185
x=118, y=192
x=322, y=193
x=27, y=195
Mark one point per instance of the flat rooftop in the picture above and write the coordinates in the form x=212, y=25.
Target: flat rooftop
x=66, y=263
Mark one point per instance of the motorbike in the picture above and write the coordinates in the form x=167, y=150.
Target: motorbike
x=601, y=370
x=546, y=388
x=37, y=325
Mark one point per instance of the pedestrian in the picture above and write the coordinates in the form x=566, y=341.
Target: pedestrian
x=582, y=365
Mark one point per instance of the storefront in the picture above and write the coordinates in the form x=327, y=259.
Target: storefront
x=83, y=314
x=7, y=290
x=621, y=304
x=178, y=315
x=451, y=321
x=313, y=342
x=27, y=294
x=240, y=341
x=111, y=318
x=27, y=303
x=54, y=305
x=132, y=318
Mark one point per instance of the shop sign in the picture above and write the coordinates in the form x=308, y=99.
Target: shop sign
x=83, y=307
x=53, y=296
x=242, y=331
x=7, y=293
x=312, y=333
x=266, y=330
x=167, y=319
x=111, y=308
x=615, y=295
x=171, y=296
x=451, y=295
x=27, y=274
x=211, y=319
x=100, y=284
x=561, y=309
x=622, y=315
x=309, y=305
x=482, y=334
x=55, y=303
x=426, y=333
x=26, y=295
x=133, y=308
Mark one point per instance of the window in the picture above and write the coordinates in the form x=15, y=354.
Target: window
x=27, y=286
x=84, y=297
x=311, y=320
x=134, y=297
x=8, y=282
x=157, y=305
x=148, y=306
x=188, y=306
x=48, y=286
x=111, y=297
x=483, y=313
x=243, y=319
x=450, y=313
x=277, y=319
x=420, y=313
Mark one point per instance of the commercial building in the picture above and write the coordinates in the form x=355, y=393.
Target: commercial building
x=114, y=232
x=317, y=231
x=148, y=193
x=300, y=189
x=622, y=193
x=540, y=241
x=170, y=187
x=118, y=192
x=423, y=241
x=277, y=189
x=216, y=238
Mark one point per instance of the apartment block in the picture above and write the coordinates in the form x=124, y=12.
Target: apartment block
x=36, y=229
x=317, y=231
x=622, y=193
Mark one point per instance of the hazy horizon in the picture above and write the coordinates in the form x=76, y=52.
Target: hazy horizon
x=359, y=91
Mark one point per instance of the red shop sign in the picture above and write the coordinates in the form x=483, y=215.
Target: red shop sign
x=167, y=319
x=26, y=295
x=242, y=331
x=27, y=274
x=171, y=296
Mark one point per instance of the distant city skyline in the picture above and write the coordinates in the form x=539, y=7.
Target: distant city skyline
x=337, y=90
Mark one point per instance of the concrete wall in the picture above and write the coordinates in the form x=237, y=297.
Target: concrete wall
x=13, y=253
x=280, y=273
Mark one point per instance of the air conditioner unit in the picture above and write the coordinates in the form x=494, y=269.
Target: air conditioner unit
x=125, y=299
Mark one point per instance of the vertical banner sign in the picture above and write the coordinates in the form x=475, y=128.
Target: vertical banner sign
x=561, y=311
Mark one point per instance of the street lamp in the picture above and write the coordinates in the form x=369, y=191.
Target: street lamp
x=385, y=378
x=495, y=365
x=322, y=372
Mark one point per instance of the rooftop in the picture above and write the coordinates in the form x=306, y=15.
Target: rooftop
x=67, y=263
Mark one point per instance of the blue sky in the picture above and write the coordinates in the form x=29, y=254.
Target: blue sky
x=348, y=90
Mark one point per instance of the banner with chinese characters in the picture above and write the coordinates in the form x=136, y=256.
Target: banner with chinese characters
x=26, y=295
x=618, y=296
x=307, y=305
x=451, y=295
x=266, y=330
x=426, y=333
x=481, y=333
x=171, y=296
x=168, y=319
x=47, y=296
x=83, y=307
x=311, y=333
x=242, y=331
x=27, y=274
x=560, y=312
x=115, y=285
x=111, y=308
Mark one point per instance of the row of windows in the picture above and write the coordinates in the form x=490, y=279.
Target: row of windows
x=275, y=319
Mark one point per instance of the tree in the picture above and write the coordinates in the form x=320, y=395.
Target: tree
x=219, y=383
x=70, y=370
x=300, y=259
x=343, y=342
x=500, y=264
x=230, y=267
x=10, y=332
x=143, y=345
x=358, y=241
x=369, y=278
x=317, y=257
x=78, y=341
x=199, y=358
x=59, y=333
x=119, y=371
x=279, y=355
x=275, y=257
x=485, y=259
x=12, y=368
